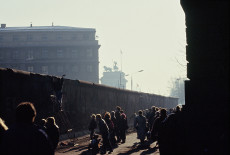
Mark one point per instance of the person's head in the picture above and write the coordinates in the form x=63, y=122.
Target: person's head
x=118, y=108
x=157, y=113
x=140, y=112
x=122, y=111
x=107, y=115
x=123, y=116
x=3, y=126
x=153, y=108
x=50, y=121
x=93, y=116
x=95, y=136
x=25, y=112
x=157, y=109
x=163, y=112
x=112, y=114
x=98, y=117
x=178, y=109
x=42, y=122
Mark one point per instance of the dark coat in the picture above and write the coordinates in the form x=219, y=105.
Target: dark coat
x=114, y=120
x=140, y=125
x=158, y=128
x=124, y=123
x=92, y=124
x=53, y=133
x=151, y=119
x=118, y=118
x=103, y=128
x=22, y=139
x=110, y=124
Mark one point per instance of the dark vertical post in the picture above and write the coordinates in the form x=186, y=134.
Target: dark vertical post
x=207, y=91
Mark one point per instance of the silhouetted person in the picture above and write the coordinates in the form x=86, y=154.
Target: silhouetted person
x=94, y=144
x=114, y=120
x=160, y=129
x=53, y=131
x=25, y=138
x=42, y=123
x=140, y=125
x=151, y=117
x=92, y=125
x=118, y=118
x=173, y=132
x=3, y=129
x=124, y=126
x=110, y=124
x=104, y=131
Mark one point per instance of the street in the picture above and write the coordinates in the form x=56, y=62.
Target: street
x=131, y=146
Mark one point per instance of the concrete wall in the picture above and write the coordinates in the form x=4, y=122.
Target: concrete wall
x=80, y=98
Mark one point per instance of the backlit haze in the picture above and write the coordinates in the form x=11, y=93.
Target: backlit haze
x=150, y=34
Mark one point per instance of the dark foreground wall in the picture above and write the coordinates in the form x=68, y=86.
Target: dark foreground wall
x=207, y=92
x=18, y=86
x=80, y=98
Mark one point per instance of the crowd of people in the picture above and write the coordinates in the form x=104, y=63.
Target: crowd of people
x=155, y=124
x=112, y=127
x=152, y=125
x=161, y=125
x=25, y=137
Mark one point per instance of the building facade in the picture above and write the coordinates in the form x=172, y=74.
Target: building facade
x=114, y=77
x=53, y=50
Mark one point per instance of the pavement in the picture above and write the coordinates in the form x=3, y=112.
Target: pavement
x=132, y=146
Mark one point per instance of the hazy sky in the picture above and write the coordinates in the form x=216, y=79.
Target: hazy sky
x=150, y=33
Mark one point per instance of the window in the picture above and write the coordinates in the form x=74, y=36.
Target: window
x=59, y=37
x=8, y=55
x=30, y=68
x=1, y=38
x=74, y=37
x=45, y=53
x=89, y=52
x=30, y=55
x=75, y=68
x=89, y=68
x=1, y=55
x=29, y=37
x=60, y=69
x=59, y=53
x=91, y=36
x=15, y=38
x=44, y=37
x=22, y=67
x=15, y=55
x=44, y=69
x=79, y=36
x=74, y=53
x=86, y=37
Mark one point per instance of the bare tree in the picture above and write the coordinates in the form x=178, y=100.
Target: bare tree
x=177, y=89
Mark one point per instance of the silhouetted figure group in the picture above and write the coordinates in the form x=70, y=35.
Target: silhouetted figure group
x=162, y=126
x=112, y=127
x=26, y=138
x=140, y=125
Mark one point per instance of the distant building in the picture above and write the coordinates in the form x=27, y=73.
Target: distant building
x=114, y=77
x=53, y=50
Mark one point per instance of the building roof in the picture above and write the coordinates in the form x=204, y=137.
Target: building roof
x=44, y=28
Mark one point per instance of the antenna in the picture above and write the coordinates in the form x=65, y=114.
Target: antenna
x=121, y=59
